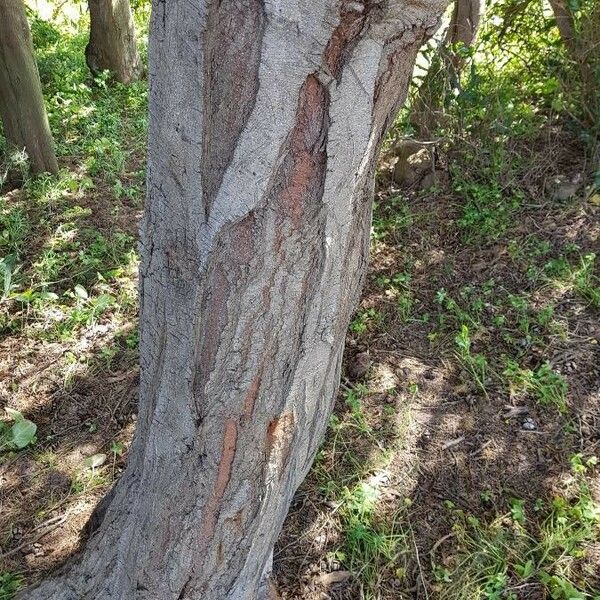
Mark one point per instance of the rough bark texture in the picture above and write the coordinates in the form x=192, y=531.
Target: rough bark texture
x=21, y=101
x=112, y=44
x=249, y=277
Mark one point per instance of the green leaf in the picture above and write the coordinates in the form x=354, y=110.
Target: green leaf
x=48, y=296
x=103, y=301
x=81, y=292
x=15, y=415
x=96, y=460
x=23, y=433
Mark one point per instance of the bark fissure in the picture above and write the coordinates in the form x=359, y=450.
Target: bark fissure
x=353, y=17
x=231, y=66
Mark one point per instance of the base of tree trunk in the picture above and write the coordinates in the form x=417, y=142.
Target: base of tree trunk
x=112, y=44
x=21, y=102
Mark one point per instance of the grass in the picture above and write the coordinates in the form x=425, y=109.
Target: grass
x=10, y=583
x=513, y=551
x=475, y=364
x=373, y=548
x=548, y=387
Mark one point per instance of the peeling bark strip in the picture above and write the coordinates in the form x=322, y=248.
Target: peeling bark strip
x=223, y=475
x=231, y=65
x=303, y=171
x=353, y=15
x=253, y=251
x=278, y=441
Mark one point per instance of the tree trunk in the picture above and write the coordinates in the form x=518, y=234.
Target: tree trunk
x=464, y=22
x=565, y=24
x=584, y=53
x=112, y=44
x=21, y=101
x=445, y=67
x=265, y=123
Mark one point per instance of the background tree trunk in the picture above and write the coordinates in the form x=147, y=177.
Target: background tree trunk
x=444, y=70
x=112, y=42
x=583, y=47
x=21, y=101
x=566, y=26
x=265, y=124
x=464, y=22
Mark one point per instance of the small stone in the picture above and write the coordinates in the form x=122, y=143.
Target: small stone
x=561, y=187
x=336, y=577
x=529, y=424
x=359, y=367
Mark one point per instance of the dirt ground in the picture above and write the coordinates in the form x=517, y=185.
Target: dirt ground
x=429, y=441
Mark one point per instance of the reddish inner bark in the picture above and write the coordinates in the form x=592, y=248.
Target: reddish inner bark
x=223, y=476
x=346, y=34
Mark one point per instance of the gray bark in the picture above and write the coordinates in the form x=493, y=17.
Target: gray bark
x=249, y=276
x=112, y=44
x=21, y=101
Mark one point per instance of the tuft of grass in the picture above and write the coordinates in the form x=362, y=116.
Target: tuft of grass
x=586, y=282
x=495, y=560
x=10, y=583
x=487, y=211
x=373, y=549
x=392, y=218
x=352, y=398
x=475, y=364
x=547, y=386
x=366, y=319
x=579, y=277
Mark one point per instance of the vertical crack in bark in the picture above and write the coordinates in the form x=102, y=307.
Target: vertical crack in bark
x=233, y=43
x=208, y=332
x=252, y=394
